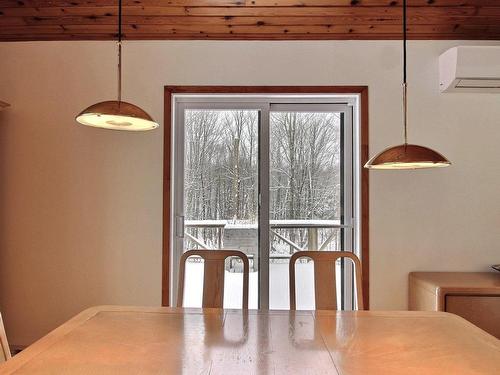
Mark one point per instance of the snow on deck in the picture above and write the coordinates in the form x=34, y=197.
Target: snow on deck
x=233, y=286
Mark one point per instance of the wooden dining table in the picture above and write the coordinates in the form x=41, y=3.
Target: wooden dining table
x=142, y=340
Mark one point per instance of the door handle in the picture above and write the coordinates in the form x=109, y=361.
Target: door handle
x=179, y=226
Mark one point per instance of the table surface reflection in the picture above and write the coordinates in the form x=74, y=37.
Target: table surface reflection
x=139, y=340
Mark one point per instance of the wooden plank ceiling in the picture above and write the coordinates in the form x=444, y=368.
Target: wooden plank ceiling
x=248, y=19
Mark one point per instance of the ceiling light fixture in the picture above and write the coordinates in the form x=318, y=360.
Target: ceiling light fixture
x=407, y=156
x=117, y=114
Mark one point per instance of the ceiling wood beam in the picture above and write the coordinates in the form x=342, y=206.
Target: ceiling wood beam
x=245, y=3
x=245, y=21
x=252, y=19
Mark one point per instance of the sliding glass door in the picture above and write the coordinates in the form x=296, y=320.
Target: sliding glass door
x=216, y=195
x=306, y=192
x=268, y=176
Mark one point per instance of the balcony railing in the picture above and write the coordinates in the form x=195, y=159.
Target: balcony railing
x=287, y=236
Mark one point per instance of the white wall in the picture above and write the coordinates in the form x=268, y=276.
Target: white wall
x=81, y=208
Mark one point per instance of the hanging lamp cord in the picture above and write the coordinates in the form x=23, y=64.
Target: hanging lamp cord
x=405, y=96
x=119, y=51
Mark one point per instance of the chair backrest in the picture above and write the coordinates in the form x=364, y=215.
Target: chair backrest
x=213, y=278
x=325, y=289
x=5, y=350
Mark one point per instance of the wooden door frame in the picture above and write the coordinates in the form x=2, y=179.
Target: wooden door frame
x=167, y=162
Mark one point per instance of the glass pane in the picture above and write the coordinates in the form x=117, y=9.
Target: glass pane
x=220, y=197
x=305, y=197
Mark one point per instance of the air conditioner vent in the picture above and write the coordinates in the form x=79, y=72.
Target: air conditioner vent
x=478, y=84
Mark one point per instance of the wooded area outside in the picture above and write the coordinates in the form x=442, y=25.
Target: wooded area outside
x=221, y=165
x=221, y=172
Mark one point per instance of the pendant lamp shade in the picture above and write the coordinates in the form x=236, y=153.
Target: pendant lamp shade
x=117, y=115
x=407, y=156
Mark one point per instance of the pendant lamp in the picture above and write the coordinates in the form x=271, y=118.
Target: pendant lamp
x=117, y=114
x=406, y=156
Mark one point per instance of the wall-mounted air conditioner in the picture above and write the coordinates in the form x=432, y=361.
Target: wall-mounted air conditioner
x=470, y=69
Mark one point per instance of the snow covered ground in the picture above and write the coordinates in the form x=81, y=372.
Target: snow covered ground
x=233, y=286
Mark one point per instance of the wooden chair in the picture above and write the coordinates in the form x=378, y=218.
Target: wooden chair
x=213, y=279
x=325, y=288
x=5, y=352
